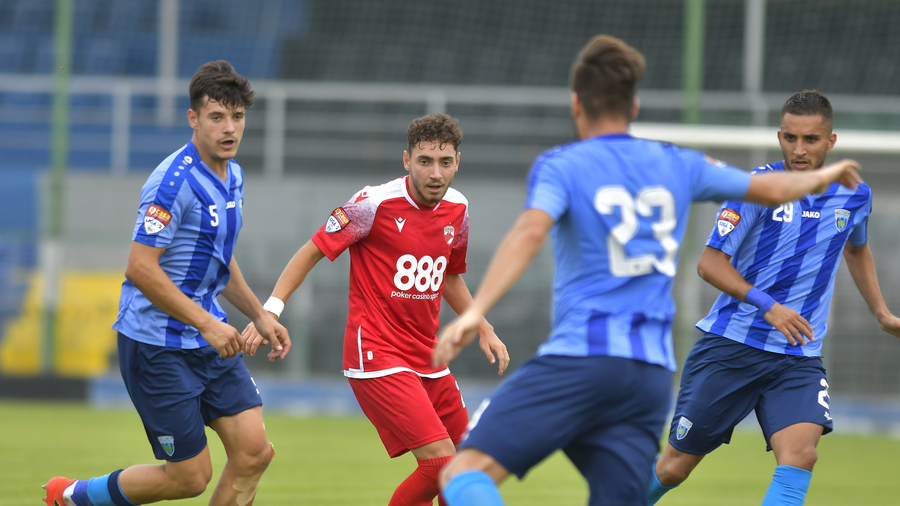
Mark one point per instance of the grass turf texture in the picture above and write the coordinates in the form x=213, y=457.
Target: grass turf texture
x=333, y=461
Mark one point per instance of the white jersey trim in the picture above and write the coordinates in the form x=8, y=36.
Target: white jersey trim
x=360, y=374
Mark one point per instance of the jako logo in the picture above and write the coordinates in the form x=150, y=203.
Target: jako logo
x=811, y=214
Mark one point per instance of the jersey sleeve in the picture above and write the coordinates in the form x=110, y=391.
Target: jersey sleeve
x=715, y=180
x=859, y=235
x=457, y=264
x=346, y=225
x=546, y=189
x=733, y=222
x=163, y=208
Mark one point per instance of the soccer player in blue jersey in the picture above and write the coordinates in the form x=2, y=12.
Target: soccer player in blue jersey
x=617, y=207
x=178, y=356
x=762, y=342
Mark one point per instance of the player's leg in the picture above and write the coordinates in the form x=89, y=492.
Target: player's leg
x=140, y=484
x=615, y=453
x=541, y=408
x=249, y=453
x=794, y=414
x=402, y=411
x=231, y=405
x=164, y=390
x=471, y=478
x=720, y=385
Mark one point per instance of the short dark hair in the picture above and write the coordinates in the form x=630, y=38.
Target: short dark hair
x=605, y=76
x=438, y=127
x=808, y=103
x=219, y=81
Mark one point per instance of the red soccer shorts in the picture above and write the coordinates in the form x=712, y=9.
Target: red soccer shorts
x=409, y=411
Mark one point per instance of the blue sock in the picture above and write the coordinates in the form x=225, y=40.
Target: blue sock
x=657, y=489
x=105, y=491
x=788, y=487
x=472, y=488
x=80, y=495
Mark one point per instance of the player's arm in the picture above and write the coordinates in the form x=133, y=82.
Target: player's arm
x=715, y=268
x=239, y=294
x=457, y=295
x=773, y=188
x=521, y=244
x=862, y=270
x=144, y=272
x=291, y=278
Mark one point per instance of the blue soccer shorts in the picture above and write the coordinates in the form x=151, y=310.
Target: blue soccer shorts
x=605, y=413
x=178, y=392
x=724, y=380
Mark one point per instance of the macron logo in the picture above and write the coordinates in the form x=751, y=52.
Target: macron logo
x=400, y=223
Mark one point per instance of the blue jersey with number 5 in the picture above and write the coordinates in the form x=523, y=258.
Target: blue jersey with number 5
x=188, y=210
x=620, y=207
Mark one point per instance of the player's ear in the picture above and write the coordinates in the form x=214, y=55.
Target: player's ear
x=575, y=105
x=406, y=160
x=831, y=140
x=635, y=108
x=192, y=118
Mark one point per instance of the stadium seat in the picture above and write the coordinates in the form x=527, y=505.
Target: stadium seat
x=13, y=53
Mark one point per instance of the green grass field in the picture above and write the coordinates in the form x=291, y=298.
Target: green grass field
x=339, y=461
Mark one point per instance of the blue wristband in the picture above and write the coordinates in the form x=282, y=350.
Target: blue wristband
x=760, y=299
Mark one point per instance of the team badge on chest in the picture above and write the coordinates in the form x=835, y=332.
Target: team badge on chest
x=155, y=219
x=841, y=219
x=449, y=232
x=728, y=219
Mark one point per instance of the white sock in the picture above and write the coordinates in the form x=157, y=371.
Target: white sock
x=67, y=494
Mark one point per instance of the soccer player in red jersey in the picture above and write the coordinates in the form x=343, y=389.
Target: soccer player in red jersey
x=407, y=240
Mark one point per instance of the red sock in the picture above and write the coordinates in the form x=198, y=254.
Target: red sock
x=421, y=487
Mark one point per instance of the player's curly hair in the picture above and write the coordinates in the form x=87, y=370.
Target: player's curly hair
x=808, y=103
x=438, y=127
x=605, y=76
x=219, y=81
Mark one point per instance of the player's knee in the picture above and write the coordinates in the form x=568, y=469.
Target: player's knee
x=192, y=484
x=804, y=458
x=254, y=460
x=671, y=472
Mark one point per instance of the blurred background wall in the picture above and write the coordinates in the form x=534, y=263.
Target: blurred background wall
x=93, y=95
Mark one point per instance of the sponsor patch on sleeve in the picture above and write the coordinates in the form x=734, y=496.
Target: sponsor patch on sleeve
x=728, y=219
x=156, y=218
x=337, y=221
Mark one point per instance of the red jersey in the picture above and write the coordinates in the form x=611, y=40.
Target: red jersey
x=400, y=253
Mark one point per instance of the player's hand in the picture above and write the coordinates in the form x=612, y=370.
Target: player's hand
x=455, y=336
x=794, y=327
x=275, y=333
x=491, y=344
x=843, y=172
x=223, y=337
x=890, y=324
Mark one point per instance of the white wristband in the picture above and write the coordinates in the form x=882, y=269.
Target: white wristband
x=274, y=305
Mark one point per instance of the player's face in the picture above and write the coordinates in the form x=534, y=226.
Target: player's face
x=805, y=140
x=217, y=132
x=431, y=169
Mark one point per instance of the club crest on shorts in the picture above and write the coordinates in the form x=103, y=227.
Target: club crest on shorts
x=156, y=218
x=168, y=444
x=728, y=219
x=841, y=219
x=684, y=426
x=337, y=221
x=449, y=232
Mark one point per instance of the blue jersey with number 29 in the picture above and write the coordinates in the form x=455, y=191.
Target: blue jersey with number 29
x=620, y=207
